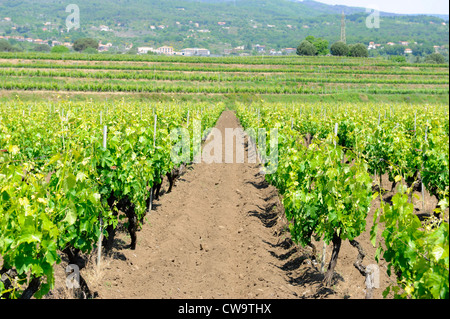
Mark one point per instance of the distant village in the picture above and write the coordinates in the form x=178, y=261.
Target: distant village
x=374, y=46
x=169, y=50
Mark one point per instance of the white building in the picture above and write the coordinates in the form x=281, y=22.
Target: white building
x=104, y=28
x=195, y=51
x=371, y=46
x=145, y=50
x=408, y=51
x=167, y=50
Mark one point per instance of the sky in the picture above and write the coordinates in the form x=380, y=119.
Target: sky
x=398, y=6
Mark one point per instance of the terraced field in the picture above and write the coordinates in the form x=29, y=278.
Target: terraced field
x=262, y=75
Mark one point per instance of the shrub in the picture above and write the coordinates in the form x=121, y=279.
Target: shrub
x=358, y=50
x=339, y=49
x=435, y=58
x=306, y=48
x=59, y=49
x=84, y=43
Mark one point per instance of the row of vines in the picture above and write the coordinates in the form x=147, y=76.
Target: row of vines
x=67, y=169
x=331, y=159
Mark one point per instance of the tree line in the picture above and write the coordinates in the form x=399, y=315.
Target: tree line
x=312, y=46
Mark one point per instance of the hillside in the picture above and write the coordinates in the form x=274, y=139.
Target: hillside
x=188, y=23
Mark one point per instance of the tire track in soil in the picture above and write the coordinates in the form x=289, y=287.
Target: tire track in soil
x=207, y=239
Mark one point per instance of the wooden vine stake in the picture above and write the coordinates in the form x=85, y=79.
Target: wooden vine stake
x=335, y=132
x=154, y=145
x=324, y=250
x=422, y=187
x=100, y=238
x=154, y=131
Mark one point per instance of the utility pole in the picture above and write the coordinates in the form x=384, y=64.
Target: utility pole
x=343, y=37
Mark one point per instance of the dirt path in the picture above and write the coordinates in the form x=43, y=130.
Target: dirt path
x=204, y=240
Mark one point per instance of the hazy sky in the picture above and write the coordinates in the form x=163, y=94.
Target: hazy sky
x=398, y=6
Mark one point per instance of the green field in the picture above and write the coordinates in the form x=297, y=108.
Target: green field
x=282, y=76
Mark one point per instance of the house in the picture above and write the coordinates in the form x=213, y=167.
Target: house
x=260, y=48
x=408, y=51
x=371, y=46
x=54, y=43
x=274, y=52
x=145, y=50
x=390, y=43
x=104, y=47
x=38, y=41
x=195, y=51
x=104, y=28
x=221, y=23
x=290, y=50
x=7, y=19
x=404, y=43
x=167, y=50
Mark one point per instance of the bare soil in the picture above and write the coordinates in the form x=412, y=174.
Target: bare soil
x=222, y=233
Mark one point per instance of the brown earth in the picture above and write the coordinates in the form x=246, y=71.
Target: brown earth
x=221, y=233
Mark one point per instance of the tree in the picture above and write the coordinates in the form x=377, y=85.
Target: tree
x=59, y=49
x=42, y=48
x=436, y=58
x=84, y=43
x=91, y=51
x=306, y=48
x=320, y=44
x=339, y=49
x=397, y=58
x=358, y=50
x=6, y=46
x=394, y=49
